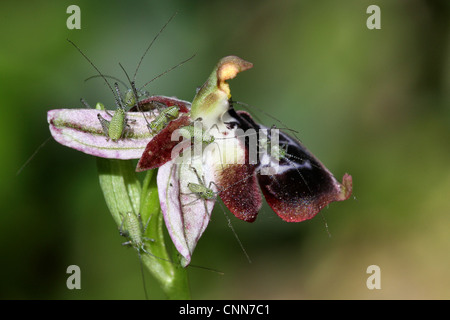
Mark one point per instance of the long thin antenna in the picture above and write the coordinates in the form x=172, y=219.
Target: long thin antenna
x=116, y=86
x=248, y=106
x=133, y=87
x=101, y=74
x=106, y=76
x=151, y=43
x=326, y=224
x=142, y=272
x=223, y=210
x=167, y=71
x=32, y=156
x=136, y=98
x=235, y=233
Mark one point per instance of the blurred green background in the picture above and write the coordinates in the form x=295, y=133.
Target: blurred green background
x=373, y=103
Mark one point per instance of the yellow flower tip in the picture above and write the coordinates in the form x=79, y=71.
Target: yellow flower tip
x=227, y=69
x=230, y=66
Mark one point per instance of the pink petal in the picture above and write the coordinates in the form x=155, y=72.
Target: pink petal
x=186, y=216
x=80, y=129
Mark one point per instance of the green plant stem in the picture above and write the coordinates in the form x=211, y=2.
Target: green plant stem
x=169, y=272
x=123, y=193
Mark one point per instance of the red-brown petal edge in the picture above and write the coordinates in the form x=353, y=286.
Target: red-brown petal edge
x=145, y=104
x=159, y=150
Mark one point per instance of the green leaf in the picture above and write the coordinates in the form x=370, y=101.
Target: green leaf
x=120, y=185
x=123, y=193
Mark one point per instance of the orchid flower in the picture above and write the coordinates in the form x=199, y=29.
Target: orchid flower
x=208, y=150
